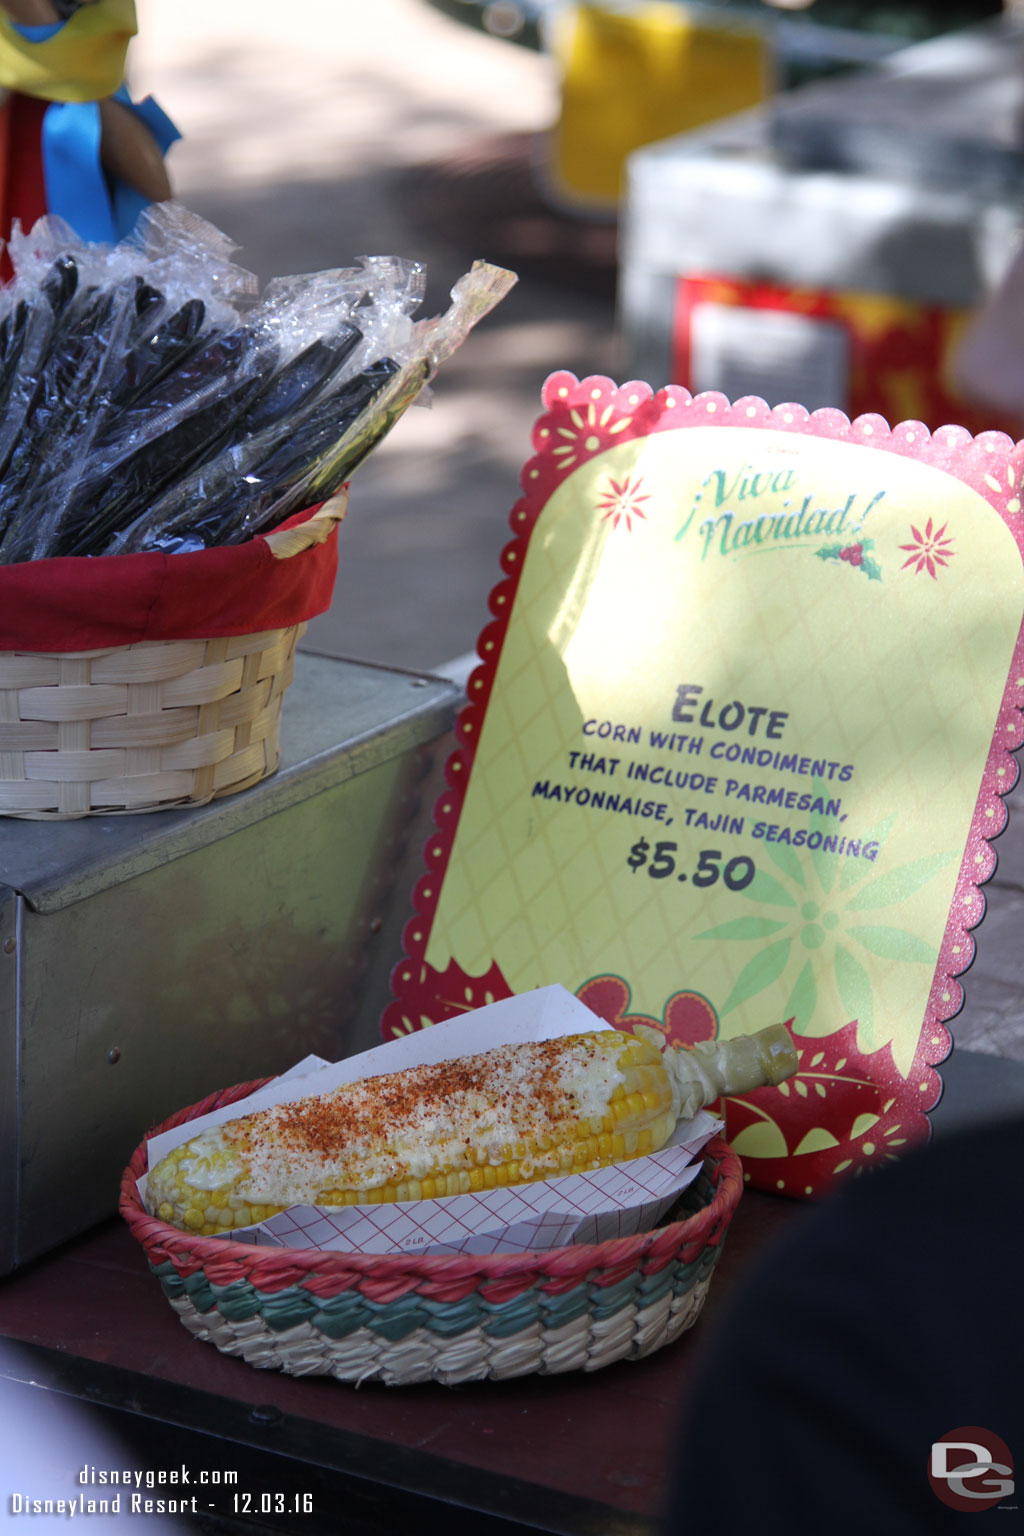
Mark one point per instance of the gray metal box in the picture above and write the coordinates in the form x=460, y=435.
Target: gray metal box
x=905, y=180
x=146, y=961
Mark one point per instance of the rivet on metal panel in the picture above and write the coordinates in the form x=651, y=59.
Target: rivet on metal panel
x=376, y=924
x=114, y=1055
x=266, y=1413
x=9, y=946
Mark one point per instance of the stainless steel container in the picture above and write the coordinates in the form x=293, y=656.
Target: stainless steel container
x=146, y=961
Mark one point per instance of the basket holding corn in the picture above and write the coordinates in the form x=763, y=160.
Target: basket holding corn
x=523, y=1112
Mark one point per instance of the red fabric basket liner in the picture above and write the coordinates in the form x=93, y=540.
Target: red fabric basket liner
x=86, y=603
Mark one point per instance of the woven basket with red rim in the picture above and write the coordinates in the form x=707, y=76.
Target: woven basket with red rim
x=403, y=1318
x=148, y=682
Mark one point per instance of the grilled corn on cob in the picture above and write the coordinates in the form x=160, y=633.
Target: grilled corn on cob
x=509, y=1116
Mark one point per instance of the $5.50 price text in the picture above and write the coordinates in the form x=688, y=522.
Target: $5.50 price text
x=736, y=875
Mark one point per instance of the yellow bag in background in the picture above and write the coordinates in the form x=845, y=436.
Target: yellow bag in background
x=83, y=61
x=631, y=78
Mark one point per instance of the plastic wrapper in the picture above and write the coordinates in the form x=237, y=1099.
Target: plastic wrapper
x=57, y=405
x=101, y=326
x=151, y=398
x=260, y=479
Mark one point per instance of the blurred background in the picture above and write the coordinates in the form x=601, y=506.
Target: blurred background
x=323, y=130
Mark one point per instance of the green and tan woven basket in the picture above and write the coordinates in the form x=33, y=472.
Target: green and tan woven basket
x=404, y=1318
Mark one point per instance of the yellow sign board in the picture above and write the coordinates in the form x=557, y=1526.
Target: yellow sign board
x=749, y=675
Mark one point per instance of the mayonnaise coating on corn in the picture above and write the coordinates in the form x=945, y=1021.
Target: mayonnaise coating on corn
x=454, y=1114
x=522, y=1112
x=505, y=1116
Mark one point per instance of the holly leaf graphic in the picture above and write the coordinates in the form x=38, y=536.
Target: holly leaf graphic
x=871, y=568
x=829, y=551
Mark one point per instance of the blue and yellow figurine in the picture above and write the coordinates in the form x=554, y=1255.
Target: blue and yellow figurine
x=72, y=142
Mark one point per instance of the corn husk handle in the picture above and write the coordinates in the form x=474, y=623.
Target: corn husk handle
x=287, y=542
x=715, y=1069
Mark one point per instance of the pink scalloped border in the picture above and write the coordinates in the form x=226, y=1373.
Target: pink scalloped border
x=583, y=418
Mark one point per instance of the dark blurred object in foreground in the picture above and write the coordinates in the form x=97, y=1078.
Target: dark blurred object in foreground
x=887, y=1318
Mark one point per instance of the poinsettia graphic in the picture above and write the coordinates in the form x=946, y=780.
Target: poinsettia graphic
x=929, y=550
x=813, y=921
x=621, y=502
x=844, y=1110
x=857, y=556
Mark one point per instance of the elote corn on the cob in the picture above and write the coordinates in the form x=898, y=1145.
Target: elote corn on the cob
x=531, y=1111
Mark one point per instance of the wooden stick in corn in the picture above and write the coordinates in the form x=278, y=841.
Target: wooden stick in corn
x=530, y=1111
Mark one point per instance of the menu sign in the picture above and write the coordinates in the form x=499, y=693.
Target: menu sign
x=736, y=748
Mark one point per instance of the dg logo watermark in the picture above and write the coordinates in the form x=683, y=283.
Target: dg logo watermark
x=970, y=1468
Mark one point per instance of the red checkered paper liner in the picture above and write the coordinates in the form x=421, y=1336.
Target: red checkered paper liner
x=617, y=1201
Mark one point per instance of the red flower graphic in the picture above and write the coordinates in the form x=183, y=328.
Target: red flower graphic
x=929, y=549
x=621, y=502
x=686, y=1018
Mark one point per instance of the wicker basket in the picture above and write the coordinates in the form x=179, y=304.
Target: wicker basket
x=150, y=726
x=402, y=1318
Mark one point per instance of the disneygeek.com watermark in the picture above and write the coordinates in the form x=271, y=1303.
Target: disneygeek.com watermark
x=168, y=1491
x=113, y=1491
x=971, y=1469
